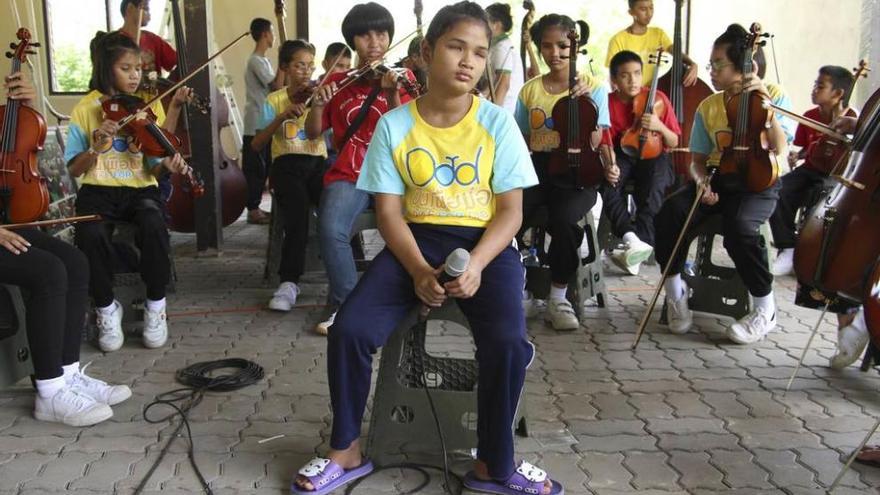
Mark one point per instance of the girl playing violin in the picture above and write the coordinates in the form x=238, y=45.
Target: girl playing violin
x=743, y=212
x=119, y=183
x=55, y=275
x=567, y=205
x=297, y=169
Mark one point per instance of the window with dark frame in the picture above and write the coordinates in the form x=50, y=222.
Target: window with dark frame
x=67, y=41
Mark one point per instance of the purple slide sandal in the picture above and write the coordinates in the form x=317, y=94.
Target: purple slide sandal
x=326, y=476
x=527, y=479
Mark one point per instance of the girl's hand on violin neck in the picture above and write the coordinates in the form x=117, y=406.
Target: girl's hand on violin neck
x=581, y=88
x=19, y=87
x=13, y=242
x=651, y=122
x=323, y=95
x=182, y=96
x=176, y=164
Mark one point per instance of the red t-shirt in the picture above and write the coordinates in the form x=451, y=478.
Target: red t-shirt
x=156, y=53
x=339, y=114
x=622, y=115
x=807, y=137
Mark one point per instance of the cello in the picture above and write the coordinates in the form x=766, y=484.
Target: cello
x=526, y=48
x=24, y=196
x=638, y=142
x=575, y=119
x=746, y=151
x=685, y=100
x=840, y=241
x=233, y=185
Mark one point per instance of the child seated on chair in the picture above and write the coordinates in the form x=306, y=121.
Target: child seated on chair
x=448, y=172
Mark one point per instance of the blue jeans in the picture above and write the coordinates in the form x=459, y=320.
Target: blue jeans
x=340, y=205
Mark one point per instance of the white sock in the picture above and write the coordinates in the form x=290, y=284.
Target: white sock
x=558, y=292
x=786, y=253
x=108, y=309
x=674, y=287
x=630, y=237
x=48, y=388
x=70, y=370
x=156, y=305
x=768, y=303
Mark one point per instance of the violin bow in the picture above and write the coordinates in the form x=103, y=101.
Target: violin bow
x=175, y=86
x=49, y=223
x=137, y=37
x=327, y=75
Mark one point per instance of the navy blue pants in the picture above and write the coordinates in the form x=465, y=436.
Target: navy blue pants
x=385, y=295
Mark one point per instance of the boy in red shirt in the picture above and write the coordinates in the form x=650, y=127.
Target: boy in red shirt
x=651, y=177
x=352, y=114
x=156, y=54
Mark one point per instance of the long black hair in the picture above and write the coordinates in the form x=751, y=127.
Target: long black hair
x=563, y=22
x=106, y=49
x=501, y=12
x=450, y=15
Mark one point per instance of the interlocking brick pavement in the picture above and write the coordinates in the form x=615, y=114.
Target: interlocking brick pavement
x=682, y=414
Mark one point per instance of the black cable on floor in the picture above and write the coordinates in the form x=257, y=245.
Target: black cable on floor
x=198, y=380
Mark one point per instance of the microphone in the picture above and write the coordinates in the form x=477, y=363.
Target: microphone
x=456, y=263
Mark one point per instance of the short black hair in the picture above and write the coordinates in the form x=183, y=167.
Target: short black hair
x=734, y=41
x=501, y=12
x=415, y=46
x=623, y=57
x=632, y=3
x=106, y=49
x=450, y=15
x=260, y=26
x=334, y=49
x=125, y=3
x=366, y=17
x=563, y=22
x=840, y=79
x=289, y=48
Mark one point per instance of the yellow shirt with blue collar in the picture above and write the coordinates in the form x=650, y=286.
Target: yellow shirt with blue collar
x=290, y=138
x=447, y=176
x=534, y=111
x=121, y=164
x=711, y=122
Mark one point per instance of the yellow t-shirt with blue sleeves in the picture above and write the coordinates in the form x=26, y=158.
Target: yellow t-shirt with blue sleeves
x=711, y=121
x=642, y=44
x=120, y=165
x=447, y=176
x=290, y=138
x=534, y=111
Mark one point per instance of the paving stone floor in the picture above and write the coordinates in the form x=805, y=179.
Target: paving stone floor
x=682, y=414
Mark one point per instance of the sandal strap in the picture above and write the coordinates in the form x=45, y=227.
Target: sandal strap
x=528, y=479
x=320, y=471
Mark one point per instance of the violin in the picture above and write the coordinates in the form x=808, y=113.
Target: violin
x=24, y=195
x=826, y=153
x=747, y=151
x=638, y=142
x=840, y=241
x=153, y=85
x=305, y=92
x=685, y=100
x=412, y=88
x=139, y=121
x=575, y=120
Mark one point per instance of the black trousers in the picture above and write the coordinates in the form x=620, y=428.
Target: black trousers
x=254, y=165
x=566, y=207
x=142, y=207
x=56, y=276
x=651, y=179
x=742, y=213
x=801, y=187
x=297, y=181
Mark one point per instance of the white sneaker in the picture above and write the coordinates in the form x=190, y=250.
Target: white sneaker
x=637, y=252
x=71, y=407
x=323, y=328
x=97, y=389
x=752, y=327
x=679, y=316
x=851, y=342
x=110, y=336
x=619, y=260
x=530, y=305
x=155, y=328
x=784, y=264
x=561, y=315
x=285, y=297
